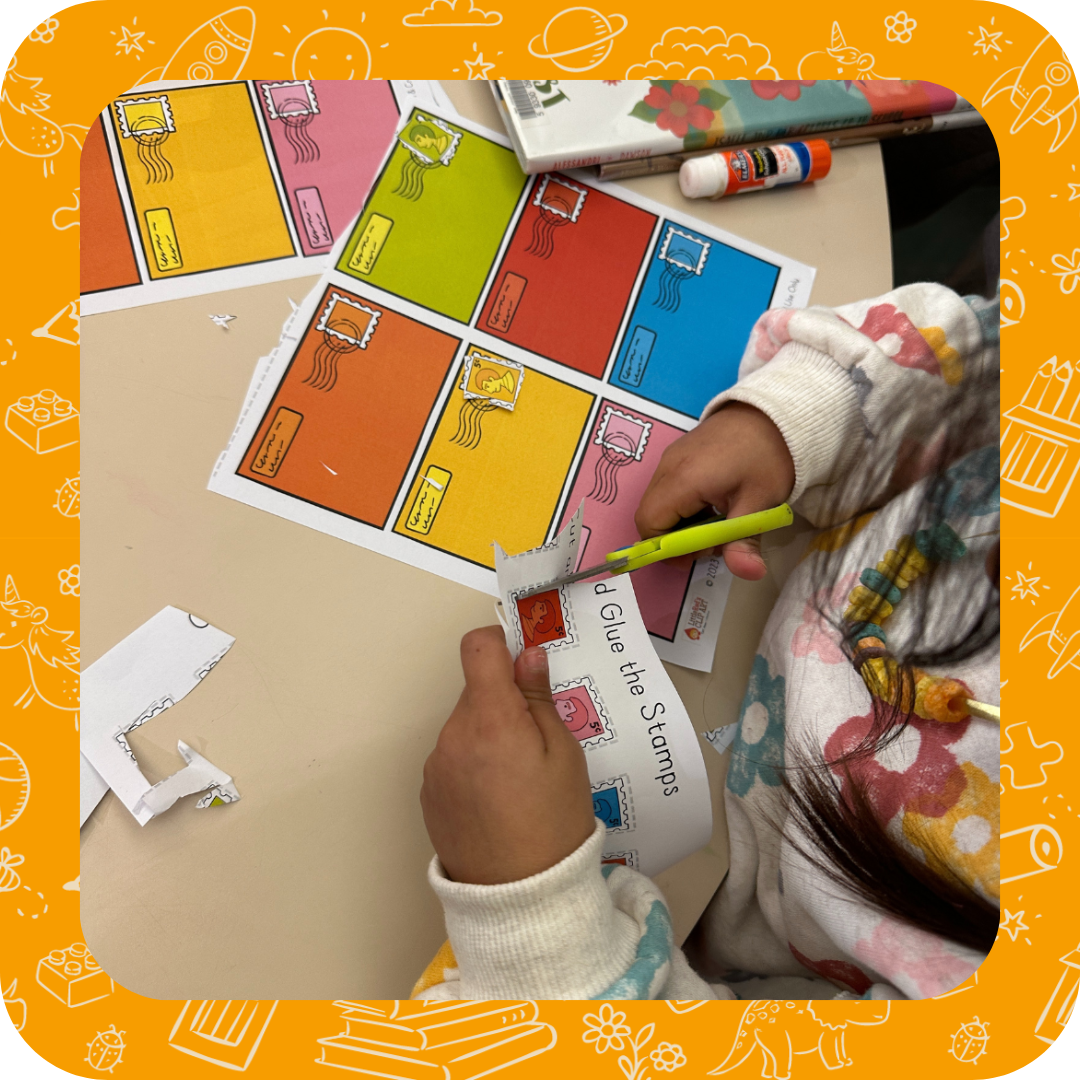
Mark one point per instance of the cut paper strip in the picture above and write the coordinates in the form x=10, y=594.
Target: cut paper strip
x=646, y=771
x=722, y=737
x=145, y=674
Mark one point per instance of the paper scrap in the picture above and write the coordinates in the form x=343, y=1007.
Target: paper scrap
x=148, y=672
x=648, y=777
x=722, y=737
x=222, y=320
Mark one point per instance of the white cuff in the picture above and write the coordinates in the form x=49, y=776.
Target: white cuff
x=556, y=934
x=812, y=400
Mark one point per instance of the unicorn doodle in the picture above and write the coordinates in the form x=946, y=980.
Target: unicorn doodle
x=53, y=663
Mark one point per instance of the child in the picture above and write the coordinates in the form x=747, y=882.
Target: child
x=862, y=793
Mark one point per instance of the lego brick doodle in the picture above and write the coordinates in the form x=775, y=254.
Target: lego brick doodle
x=73, y=976
x=44, y=422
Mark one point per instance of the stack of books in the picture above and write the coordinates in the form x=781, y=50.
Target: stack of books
x=633, y=127
x=437, y=1040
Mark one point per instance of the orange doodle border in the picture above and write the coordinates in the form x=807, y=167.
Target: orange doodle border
x=79, y=58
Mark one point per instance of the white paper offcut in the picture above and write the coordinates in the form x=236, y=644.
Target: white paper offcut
x=648, y=777
x=146, y=673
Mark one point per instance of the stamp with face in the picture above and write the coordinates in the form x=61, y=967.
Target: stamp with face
x=429, y=140
x=290, y=99
x=488, y=377
x=582, y=710
x=545, y=619
x=613, y=805
x=620, y=858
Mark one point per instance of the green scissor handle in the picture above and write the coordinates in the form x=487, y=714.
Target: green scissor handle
x=701, y=537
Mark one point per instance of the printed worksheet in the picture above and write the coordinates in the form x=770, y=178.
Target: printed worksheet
x=488, y=350
x=190, y=189
x=649, y=785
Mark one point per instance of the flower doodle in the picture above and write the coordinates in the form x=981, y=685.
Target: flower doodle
x=609, y=1032
x=898, y=27
x=607, y=1029
x=1068, y=269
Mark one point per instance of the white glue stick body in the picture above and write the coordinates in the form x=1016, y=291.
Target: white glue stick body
x=729, y=172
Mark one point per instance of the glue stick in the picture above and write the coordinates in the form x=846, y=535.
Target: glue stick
x=729, y=172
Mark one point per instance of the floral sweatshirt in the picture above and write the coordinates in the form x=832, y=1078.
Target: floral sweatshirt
x=845, y=386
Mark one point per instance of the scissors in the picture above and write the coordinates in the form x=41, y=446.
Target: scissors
x=692, y=537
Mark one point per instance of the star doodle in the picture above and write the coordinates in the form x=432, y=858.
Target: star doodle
x=478, y=67
x=1025, y=586
x=1074, y=192
x=130, y=42
x=1013, y=924
x=988, y=40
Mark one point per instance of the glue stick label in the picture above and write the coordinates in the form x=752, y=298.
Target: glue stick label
x=764, y=166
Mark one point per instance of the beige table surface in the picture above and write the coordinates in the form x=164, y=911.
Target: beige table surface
x=345, y=663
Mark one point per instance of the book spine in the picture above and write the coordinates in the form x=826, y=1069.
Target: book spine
x=371, y=1062
x=371, y=1031
x=474, y=1027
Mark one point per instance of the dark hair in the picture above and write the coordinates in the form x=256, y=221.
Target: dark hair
x=949, y=614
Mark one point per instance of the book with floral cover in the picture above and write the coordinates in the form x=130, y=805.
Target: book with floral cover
x=570, y=124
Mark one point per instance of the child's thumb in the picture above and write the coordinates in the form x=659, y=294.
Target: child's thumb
x=743, y=557
x=533, y=680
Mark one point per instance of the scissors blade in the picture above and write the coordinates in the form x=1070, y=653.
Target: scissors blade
x=581, y=575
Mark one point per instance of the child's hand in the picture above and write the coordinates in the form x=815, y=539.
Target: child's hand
x=506, y=790
x=737, y=461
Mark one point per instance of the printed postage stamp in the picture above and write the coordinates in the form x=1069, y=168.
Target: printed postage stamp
x=487, y=377
x=612, y=803
x=545, y=619
x=582, y=709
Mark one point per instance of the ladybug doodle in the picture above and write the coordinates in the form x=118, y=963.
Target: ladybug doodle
x=105, y=1049
x=969, y=1041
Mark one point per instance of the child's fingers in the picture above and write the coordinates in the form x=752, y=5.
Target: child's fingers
x=533, y=680
x=666, y=502
x=488, y=668
x=743, y=557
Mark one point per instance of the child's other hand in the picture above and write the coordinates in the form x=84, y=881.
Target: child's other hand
x=737, y=461
x=506, y=790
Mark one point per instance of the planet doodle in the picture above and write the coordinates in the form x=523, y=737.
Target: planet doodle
x=578, y=38
x=14, y=786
